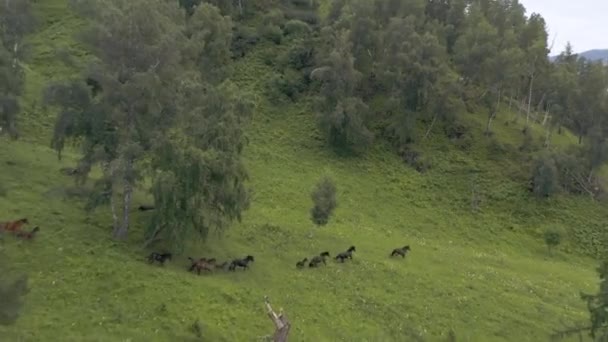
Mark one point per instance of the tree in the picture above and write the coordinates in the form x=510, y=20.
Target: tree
x=545, y=177
x=324, y=201
x=16, y=20
x=199, y=173
x=597, y=306
x=137, y=48
x=342, y=114
x=199, y=176
x=552, y=238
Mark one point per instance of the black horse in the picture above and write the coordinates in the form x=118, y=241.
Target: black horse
x=160, y=257
x=301, y=263
x=346, y=255
x=316, y=260
x=244, y=263
x=401, y=251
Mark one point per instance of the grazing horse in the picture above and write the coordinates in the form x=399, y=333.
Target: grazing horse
x=400, y=251
x=244, y=263
x=346, y=255
x=13, y=226
x=160, y=257
x=301, y=264
x=202, y=264
x=27, y=235
x=318, y=259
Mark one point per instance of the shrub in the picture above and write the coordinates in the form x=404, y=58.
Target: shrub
x=324, y=201
x=544, y=177
x=300, y=57
x=527, y=144
x=288, y=85
x=414, y=158
x=11, y=298
x=552, y=238
x=244, y=39
x=297, y=28
x=272, y=33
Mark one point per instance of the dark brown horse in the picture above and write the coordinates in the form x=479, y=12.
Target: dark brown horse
x=202, y=264
x=13, y=226
x=27, y=235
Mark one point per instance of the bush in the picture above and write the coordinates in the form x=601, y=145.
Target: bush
x=460, y=135
x=527, y=144
x=290, y=86
x=544, y=177
x=244, y=39
x=496, y=149
x=11, y=298
x=305, y=15
x=297, y=28
x=271, y=27
x=324, y=201
x=272, y=33
x=300, y=57
x=414, y=158
x=553, y=238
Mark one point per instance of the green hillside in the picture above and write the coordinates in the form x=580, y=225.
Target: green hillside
x=478, y=266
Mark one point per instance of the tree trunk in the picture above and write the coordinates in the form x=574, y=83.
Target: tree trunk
x=281, y=324
x=546, y=117
x=15, y=51
x=519, y=108
x=548, y=138
x=121, y=232
x=431, y=127
x=108, y=171
x=494, y=112
x=529, y=100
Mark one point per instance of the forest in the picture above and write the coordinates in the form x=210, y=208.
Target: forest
x=282, y=128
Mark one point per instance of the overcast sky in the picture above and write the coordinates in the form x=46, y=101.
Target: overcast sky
x=582, y=22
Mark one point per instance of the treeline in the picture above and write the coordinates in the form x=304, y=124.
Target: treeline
x=157, y=101
x=382, y=69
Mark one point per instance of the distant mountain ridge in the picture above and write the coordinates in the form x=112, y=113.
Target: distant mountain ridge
x=593, y=55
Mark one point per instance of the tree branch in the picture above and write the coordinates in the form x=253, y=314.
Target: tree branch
x=281, y=323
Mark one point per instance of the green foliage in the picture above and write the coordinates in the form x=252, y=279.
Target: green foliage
x=271, y=26
x=297, y=29
x=342, y=114
x=16, y=20
x=199, y=175
x=136, y=103
x=209, y=42
x=552, y=238
x=11, y=298
x=545, y=177
x=324, y=201
x=597, y=305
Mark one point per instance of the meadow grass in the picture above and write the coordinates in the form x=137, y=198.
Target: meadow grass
x=485, y=274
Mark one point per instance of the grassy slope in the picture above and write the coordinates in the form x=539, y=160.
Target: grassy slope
x=485, y=275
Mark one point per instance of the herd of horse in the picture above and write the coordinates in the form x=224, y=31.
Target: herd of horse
x=16, y=228
x=204, y=264
x=210, y=264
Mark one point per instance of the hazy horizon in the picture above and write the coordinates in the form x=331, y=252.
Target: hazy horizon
x=580, y=23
